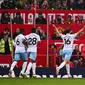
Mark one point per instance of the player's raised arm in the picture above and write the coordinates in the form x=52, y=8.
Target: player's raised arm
x=80, y=31
x=56, y=29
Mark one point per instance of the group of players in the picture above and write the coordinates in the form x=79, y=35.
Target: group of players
x=27, y=46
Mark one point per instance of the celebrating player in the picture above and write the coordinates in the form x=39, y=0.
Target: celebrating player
x=33, y=39
x=20, y=53
x=68, y=40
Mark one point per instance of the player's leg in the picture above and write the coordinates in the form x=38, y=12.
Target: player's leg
x=34, y=68
x=34, y=54
x=61, y=66
x=68, y=69
x=66, y=60
x=29, y=66
x=24, y=57
x=68, y=56
x=32, y=64
x=16, y=59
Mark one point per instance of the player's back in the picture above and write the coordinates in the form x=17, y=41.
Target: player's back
x=33, y=40
x=68, y=40
x=20, y=47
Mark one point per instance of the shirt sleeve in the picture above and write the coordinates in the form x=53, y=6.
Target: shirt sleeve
x=62, y=36
x=74, y=35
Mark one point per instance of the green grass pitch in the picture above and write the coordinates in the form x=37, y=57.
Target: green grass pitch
x=47, y=81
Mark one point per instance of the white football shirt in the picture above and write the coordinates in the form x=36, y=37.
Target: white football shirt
x=68, y=40
x=19, y=47
x=33, y=40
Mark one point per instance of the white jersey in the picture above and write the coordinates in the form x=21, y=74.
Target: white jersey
x=20, y=47
x=33, y=40
x=68, y=40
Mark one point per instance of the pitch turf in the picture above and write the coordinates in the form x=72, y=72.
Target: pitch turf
x=47, y=81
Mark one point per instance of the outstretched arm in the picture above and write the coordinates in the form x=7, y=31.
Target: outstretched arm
x=80, y=31
x=56, y=29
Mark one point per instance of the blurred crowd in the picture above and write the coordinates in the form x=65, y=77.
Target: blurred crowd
x=43, y=4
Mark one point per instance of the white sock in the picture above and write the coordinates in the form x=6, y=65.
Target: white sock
x=24, y=67
x=29, y=68
x=68, y=69
x=13, y=65
x=34, y=68
x=62, y=65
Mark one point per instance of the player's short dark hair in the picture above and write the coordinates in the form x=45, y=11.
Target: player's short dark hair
x=33, y=30
x=67, y=30
x=22, y=31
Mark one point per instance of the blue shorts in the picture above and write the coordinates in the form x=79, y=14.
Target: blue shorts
x=22, y=56
x=66, y=54
x=32, y=55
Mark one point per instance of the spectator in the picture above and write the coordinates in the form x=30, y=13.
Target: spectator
x=80, y=5
x=16, y=33
x=30, y=21
x=56, y=36
x=34, y=5
x=1, y=2
x=11, y=4
x=75, y=1
x=69, y=20
x=5, y=45
x=5, y=18
x=26, y=5
x=58, y=5
x=50, y=2
x=58, y=20
x=52, y=49
x=79, y=20
x=71, y=5
x=40, y=19
x=5, y=4
x=39, y=2
x=45, y=5
x=77, y=59
x=18, y=5
x=18, y=19
x=64, y=5
x=52, y=55
x=40, y=32
x=6, y=31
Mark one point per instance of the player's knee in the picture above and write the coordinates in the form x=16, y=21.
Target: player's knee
x=32, y=61
x=67, y=61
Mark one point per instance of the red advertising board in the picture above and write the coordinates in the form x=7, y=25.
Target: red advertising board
x=50, y=14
